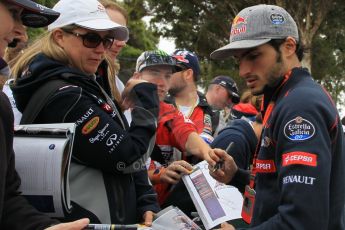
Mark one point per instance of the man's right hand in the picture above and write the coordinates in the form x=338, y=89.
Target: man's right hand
x=228, y=169
x=175, y=171
x=75, y=225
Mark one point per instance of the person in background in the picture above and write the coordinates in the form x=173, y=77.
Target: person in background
x=65, y=61
x=248, y=97
x=297, y=180
x=14, y=49
x=118, y=15
x=15, y=211
x=183, y=94
x=248, y=107
x=222, y=93
x=20, y=39
x=174, y=130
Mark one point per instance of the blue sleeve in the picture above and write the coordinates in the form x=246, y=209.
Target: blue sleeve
x=239, y=150
x=304, y=134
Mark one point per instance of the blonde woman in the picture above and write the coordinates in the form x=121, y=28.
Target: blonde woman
x=67, y=58
x=118, y=15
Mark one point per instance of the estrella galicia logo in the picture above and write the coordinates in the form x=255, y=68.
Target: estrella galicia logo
x=277, y=19
x=299, y=129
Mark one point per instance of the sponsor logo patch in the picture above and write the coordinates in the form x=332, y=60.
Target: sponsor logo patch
x=299, y=158
x=266, y=142
x=298, y=179
x=106, y=107
x=265, y=166
x=238, y=26
x=111, y=139
x=277, y=19
x=101, y=134
x=299, y=129
x=84, y=117
x=238, y=20
x=90, y=125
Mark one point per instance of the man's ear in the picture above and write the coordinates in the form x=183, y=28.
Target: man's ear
x=136, y=75
x=188, y=75
x=289, y=46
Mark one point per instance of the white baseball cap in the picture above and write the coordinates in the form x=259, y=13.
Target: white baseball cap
x=89, y=14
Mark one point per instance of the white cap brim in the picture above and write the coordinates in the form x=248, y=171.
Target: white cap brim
x=121, y=32
x=228, y=50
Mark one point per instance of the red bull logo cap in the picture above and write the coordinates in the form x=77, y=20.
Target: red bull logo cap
x=188, y=60
x=255, y=26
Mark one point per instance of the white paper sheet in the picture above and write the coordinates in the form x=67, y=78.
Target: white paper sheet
x=214, y=201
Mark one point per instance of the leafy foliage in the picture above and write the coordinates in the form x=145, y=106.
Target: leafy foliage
x=203, y=26
x=329, y=53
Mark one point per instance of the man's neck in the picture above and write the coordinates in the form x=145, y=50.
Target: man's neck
x=187, y=97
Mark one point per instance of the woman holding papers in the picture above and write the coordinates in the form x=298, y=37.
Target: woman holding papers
x=64, y=62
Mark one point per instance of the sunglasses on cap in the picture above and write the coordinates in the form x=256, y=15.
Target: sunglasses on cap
x=33, y=20
x=92, y=40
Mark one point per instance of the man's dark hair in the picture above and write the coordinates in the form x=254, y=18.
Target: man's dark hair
x=276, y=43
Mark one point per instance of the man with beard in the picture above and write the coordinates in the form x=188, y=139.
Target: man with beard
x=186, y=98
x=297, y=179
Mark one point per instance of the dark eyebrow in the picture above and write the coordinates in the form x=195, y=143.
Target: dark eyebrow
x=249, y=51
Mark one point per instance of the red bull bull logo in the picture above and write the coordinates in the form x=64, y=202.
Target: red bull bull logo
x=238, y=20
x=238, y=26
x=181, y=58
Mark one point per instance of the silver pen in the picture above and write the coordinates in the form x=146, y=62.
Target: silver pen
x=220, y=163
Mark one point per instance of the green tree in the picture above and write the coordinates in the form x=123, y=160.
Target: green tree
x=203, y=26
x=141, y=38
x=37, y=32
x=328, y=53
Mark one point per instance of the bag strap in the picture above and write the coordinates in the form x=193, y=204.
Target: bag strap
x=39, y=99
